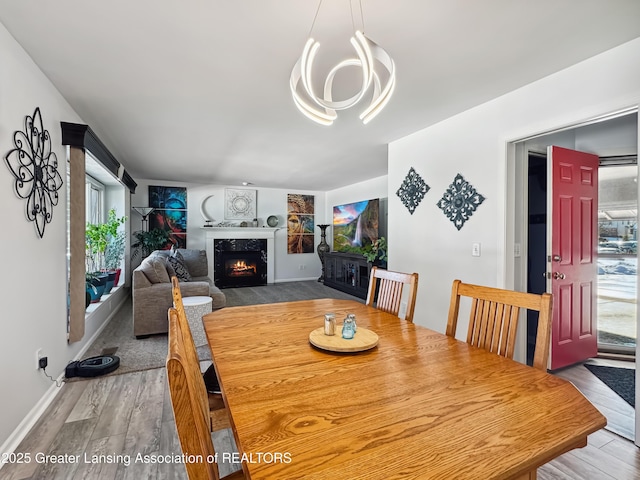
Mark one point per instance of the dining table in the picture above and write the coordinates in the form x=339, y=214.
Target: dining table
x=417, y=404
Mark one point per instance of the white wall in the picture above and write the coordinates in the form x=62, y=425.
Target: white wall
x=34, y=280
x=474, y=144
x=271, y=201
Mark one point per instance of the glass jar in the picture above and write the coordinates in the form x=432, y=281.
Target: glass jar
x=348, y=328
x=329, y=324
x=352, y=316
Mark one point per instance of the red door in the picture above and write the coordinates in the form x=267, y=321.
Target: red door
x=572, y=261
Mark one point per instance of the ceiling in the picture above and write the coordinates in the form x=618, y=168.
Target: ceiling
x=198, y=91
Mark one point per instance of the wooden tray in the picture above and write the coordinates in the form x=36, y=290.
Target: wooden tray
x=364, y=339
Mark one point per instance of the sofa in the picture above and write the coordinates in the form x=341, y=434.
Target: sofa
x=151, y=291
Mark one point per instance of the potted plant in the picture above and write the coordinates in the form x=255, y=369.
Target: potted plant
x=376, y=253
x=97, y=240
x=95, y=285
x=114, y=255
x=147, y=242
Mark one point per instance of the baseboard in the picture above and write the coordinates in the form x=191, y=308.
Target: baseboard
x=287, y=280
x=27, y=423
x=31, y=418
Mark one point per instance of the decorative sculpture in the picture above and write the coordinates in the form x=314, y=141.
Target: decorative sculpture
x=459, y=201
x=323, y=247
x=35, y=168
x=412, y=190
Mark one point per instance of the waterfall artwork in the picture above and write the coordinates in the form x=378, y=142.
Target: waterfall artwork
x=355, y=225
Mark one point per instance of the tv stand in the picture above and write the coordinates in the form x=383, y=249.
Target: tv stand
x=347, y=272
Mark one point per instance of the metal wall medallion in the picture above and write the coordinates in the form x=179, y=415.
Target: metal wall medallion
x=412, y=190
x=459, y=201
x=35, y=168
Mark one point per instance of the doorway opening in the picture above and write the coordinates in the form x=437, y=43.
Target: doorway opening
x=617, y=281
x=614, y=139
x=536, y=240
x=618, y=255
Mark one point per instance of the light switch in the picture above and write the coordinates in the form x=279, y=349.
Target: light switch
x=475, y=250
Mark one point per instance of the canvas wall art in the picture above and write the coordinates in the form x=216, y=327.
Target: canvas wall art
x=170, y=213
x=300, y=223
x=240, y=204
x=355, y=225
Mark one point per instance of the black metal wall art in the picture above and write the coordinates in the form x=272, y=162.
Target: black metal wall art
x=35, y=168
x=459, y=201
x=412, y=190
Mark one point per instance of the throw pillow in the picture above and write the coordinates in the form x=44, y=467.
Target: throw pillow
x=170, y=270
x=155, y=269
x=175, y=253
x=181, y=270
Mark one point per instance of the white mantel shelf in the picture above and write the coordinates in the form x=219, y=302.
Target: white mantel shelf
x=222, y=232
x=217, y=233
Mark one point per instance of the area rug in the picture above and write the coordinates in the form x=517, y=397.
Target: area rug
x=620, y=380
x=135, y=354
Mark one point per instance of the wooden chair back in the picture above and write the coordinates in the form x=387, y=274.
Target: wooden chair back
x=389, y=293
x=218, y=414
x=190, y=405
x=493, y=320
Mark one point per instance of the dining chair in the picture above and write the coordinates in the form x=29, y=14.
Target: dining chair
x=389, y=293
x=219, y=417
x=190, y=407
x=493, y=320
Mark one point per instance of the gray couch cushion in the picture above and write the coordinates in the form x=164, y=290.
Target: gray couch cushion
x=154, y=268
x=195, y=261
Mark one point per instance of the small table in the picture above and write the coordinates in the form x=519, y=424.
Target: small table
x=195, y=308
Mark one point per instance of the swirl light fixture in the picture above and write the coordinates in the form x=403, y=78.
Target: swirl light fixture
x=377, y=67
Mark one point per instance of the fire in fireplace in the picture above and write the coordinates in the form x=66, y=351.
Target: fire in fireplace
x=242, y=269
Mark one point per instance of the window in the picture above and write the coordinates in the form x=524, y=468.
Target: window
x=81, y=140
x=95, y=201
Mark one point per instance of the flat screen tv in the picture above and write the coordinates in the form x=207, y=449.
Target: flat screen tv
x=355, y=225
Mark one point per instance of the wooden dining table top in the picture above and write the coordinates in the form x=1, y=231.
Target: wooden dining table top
x=418, y=405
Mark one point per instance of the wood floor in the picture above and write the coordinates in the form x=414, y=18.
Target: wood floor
x=130, y=415
x=125, y=417
x=620, y=415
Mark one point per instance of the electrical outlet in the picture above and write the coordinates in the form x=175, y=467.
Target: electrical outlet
x=475, y=250
x=39, y=355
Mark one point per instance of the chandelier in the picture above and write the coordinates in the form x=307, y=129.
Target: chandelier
x=378, y=74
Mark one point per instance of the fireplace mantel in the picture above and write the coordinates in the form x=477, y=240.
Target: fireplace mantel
x=215, y=233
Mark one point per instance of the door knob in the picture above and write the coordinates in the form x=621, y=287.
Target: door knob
x=558, y=276
x=557, y=258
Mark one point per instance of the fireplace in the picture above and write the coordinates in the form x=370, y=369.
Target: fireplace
x=240, y=262
x=242, y=268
